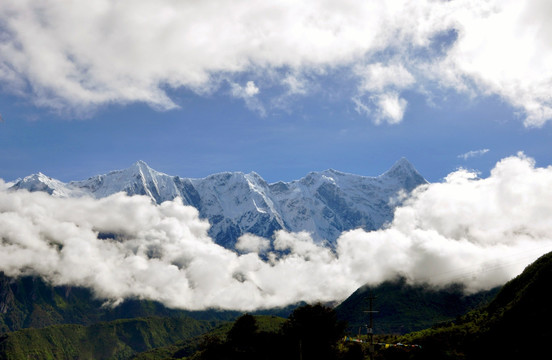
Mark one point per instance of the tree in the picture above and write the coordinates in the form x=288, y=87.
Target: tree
x=242, y=335
x=313, y=332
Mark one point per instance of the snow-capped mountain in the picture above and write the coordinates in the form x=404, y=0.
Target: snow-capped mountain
x=41, y=182
x=323, y=203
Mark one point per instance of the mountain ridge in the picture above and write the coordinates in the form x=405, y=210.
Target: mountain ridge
x=323, y=203
x=402, y=307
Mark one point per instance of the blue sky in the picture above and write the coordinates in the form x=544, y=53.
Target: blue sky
x=281, y=93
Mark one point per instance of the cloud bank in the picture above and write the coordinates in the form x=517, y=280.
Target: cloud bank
x=79, y=55
x=479, y=232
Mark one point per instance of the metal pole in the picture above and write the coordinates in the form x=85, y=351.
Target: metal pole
x=370, y=329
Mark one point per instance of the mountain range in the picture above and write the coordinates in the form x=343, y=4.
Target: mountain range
x=324, y=203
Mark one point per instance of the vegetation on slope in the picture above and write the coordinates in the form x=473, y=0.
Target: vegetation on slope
x=310, y=332
x=118, y=339
x=29, y=302
x=516, y=324
x=403, y=307
x=182, y=349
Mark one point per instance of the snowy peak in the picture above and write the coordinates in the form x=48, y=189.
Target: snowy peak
x=403, y=162
x=142, y=169
x=402, y=166
x=255, y=178
x=404, y=172
x=138, y=179
x=41, y=182
x=322, y=203
x=333, y=172
x=140, y=164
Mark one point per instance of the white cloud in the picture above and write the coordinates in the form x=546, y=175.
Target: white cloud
x=386, y=107
x=383, y=83
x=503, y=48
x=251, y=89
x=473, y=153
x=248, y=93
x=159, y=252
x=295, y=85
x=390, y=107
x=480, y=232
x=379, y=77
x=252, y=243
x=80, y=55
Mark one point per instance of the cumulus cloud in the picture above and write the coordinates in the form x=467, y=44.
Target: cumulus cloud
x=85, y=54
x=248, y=93
x=383, y=82
x=249, y=90
x=386, y=107
x=378, y=77
x=504, y=48
x=479, y=232
x=252, y=243
x=391, y=108
x=473, y=153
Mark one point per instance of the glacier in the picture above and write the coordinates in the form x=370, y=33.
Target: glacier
x=324, y=203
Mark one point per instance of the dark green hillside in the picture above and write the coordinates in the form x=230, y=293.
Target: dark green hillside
x=264, y=325
x=118, y=339
x=515, y=325
x=311, y=332
x=29, y=302
x=404, y=308
x=520, y=318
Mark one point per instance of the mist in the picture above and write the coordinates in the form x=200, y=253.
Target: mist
x=479, y=232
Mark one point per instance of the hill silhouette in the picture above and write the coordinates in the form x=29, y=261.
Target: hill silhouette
x=404, y=307
x=515, y=325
